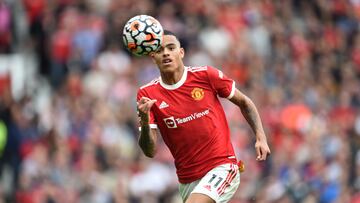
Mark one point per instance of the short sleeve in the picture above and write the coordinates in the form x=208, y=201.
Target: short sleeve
x=224, y=86
x=152, y=121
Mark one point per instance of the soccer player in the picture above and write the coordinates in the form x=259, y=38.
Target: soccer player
x=183, y=105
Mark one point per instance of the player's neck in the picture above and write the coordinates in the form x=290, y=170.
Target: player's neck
x=171, y=78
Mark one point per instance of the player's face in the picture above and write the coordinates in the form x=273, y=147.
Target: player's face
x=169, y=57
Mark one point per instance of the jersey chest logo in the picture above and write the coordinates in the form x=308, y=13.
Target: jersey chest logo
x=163, y=105
x=170, y=122
x=197, y=94
x=173, y=122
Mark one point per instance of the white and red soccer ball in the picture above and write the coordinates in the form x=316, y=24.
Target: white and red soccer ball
x=142, y=35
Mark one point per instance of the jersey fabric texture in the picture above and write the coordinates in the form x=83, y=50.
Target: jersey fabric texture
x=192, y=121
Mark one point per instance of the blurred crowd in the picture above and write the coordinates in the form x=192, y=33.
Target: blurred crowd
x=72, y=135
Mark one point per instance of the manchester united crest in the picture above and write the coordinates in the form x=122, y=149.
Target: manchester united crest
x=197, y=94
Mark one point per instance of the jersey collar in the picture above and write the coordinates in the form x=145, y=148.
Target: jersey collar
x=178, y=84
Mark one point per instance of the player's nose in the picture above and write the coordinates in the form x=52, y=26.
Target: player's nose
x=165, y=52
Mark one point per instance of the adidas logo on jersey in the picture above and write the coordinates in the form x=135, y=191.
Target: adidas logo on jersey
x=163, y=105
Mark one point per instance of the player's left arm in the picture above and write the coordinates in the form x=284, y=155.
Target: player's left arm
x=249, y=111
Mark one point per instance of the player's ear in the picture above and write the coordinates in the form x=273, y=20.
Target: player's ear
x=182, y=52
x=152, y=56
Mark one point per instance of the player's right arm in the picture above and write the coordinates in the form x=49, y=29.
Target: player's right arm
x=148, y=136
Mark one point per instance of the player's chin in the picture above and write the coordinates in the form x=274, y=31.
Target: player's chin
x=167, y=67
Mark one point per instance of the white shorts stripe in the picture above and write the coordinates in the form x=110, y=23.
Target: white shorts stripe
x=227, y=184
x=229, y=179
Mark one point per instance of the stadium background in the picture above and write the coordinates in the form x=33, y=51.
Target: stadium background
x=68, y=127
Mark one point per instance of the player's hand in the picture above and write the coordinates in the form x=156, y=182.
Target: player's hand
x=144, y=105
x=262, y=149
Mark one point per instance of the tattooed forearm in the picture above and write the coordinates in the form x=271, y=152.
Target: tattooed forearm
x=249, y=111
x=251, y=115
x=147, y=141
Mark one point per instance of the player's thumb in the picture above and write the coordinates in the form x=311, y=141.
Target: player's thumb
x=152, y=102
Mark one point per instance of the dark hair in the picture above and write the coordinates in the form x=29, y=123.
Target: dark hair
x=168, y=32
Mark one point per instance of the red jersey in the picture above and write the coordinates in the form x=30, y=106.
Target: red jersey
x=192, y=121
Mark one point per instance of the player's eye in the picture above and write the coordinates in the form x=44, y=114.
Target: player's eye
x=159, y=51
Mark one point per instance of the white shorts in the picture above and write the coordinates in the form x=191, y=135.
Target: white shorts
x=220, y=184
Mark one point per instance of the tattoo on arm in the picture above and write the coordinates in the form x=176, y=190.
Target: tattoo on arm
x=147, y=141
x=250, y=113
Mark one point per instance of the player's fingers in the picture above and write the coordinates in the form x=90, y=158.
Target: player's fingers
x=258, y=153
x=144, y=100
x=141, y=101
x=142, y=108
x=151, y=102
x=141, y=105
x=263, y=154
x=145, y=108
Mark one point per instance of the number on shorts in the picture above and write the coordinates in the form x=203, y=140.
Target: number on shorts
x=218, y=182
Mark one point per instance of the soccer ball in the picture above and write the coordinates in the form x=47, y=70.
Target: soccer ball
x=142, y=35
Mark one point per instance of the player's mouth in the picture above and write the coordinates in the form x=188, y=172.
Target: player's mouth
x=166, y=61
